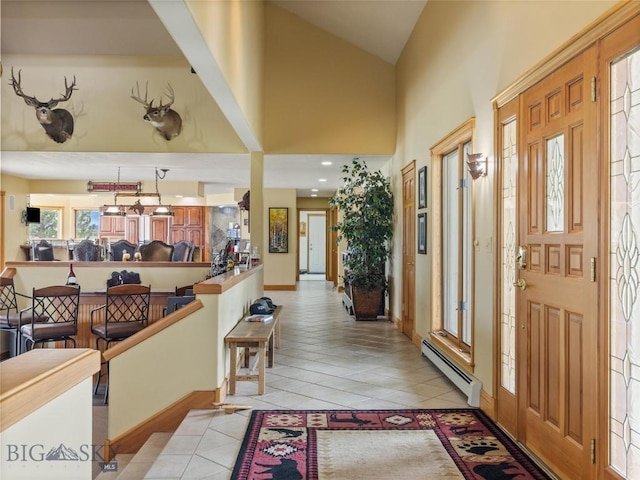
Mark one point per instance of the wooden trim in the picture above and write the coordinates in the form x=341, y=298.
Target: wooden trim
x=329, y=245
x=223, y=282
x=487, y=404
x=461, y=134
x=152, y=329
x=452, y=351
x=393, y=319
x=610, y=474
x=502, y=115
x=593, y=32
x=409, y=173
x=166, y=420
x=416, y=339
x=335, y=250
x=33, y=379
x=454, y=140
x=281, y=287
x=8, y=273
x=618, y=43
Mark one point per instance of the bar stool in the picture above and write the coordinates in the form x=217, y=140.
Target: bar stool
x=125, y=313
x=9, y=310
x=53, y=315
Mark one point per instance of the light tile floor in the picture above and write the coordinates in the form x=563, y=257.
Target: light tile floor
x=326, y=360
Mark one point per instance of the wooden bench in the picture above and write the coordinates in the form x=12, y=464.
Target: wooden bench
x=253, y=335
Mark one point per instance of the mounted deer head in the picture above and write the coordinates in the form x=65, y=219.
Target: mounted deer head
x=57, y=123
x=166, y=120
x=245, y=203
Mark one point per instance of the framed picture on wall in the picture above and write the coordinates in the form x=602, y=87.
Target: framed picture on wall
x=422, y=233
x=422, y=187
x=278, y=230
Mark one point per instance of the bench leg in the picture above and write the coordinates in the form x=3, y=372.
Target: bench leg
x=247, y=356
x=262, y=371
x=233, y=370
x=270, y=353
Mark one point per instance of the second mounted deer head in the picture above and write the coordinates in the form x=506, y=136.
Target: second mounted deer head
x=57, y=123
x=166, y=120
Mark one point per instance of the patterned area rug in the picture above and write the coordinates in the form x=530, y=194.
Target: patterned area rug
x=379, y=444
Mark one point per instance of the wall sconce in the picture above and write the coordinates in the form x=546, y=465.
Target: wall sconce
x=477, y=164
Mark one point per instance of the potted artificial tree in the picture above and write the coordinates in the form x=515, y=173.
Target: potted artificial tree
x=366, y=204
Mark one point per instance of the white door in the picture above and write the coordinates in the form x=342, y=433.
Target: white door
x=317, y=243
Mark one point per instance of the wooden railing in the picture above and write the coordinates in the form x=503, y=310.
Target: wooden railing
x=33, y=379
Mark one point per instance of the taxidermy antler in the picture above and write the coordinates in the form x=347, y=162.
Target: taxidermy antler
x=167, y=121
x=57, y=123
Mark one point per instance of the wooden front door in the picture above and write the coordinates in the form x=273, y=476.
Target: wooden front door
x=557, y=302
x=408, y=249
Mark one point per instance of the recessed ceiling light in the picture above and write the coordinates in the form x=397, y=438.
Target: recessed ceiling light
x=327, y=162
x=314, y=189
x=314, y=195
x=322, y=179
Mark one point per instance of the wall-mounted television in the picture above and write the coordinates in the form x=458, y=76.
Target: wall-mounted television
x=32, y=215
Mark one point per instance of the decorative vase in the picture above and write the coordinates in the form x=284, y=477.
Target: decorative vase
x=366, y=303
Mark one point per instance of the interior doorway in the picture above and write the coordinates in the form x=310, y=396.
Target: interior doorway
x=312, y=249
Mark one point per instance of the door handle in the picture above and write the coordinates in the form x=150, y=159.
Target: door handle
x=521, y=284
x=521, y=257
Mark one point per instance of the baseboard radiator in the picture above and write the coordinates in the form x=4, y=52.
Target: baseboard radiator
x=467, y=384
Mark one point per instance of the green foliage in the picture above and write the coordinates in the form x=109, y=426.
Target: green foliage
x=366, y=203
x=48, y=226
x=86, y=226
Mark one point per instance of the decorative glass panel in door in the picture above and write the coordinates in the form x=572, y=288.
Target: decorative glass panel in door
x=624, y=266
x=509, y=218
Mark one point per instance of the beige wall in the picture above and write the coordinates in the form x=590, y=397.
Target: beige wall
x=233, y=31
x=93, y=276
x=280, y=268
x=64, y=420
x=15, y=232
x=322, y=94
x=460, y=55
x=311, y=203
x=105, y=118
x=202, y=361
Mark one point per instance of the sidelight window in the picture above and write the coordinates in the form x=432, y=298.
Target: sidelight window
x=452, y=313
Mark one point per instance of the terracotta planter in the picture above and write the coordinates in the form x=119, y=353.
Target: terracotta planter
x=366, y=303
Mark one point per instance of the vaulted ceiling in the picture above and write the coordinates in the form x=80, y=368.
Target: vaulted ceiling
x=132, y=28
